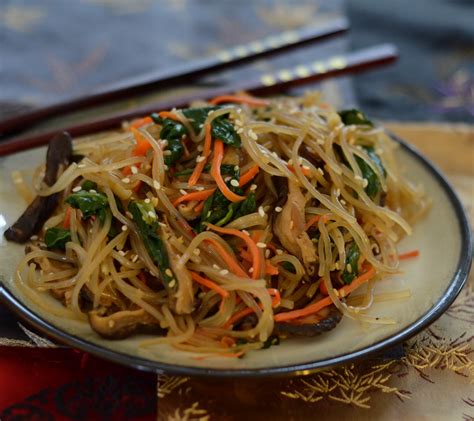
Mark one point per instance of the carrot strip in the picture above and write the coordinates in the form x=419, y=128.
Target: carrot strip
x=227, y=341
x=141, y=122
x=142, y=145
x=409, y=254
x=228, y=258
x=207, y=150
x=216, y=173
x=311, y=221
x=67, y=217
x=246, y=255
x=270, y=269
x=198, y=195
x=168, y=114
x=325, y=302
x=209, y=284
x=277, y=300
x=306, y=171
x=237, y=316
x=200, y=207
x=252, y=246
x=258, y=102
x=249, y=175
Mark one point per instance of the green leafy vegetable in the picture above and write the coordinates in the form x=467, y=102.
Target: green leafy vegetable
x=352, y=259
x=373, y=186
x=354, y=116
x=249, y=205
x=173, y=132
x=146, y=219
x=89, y=185
x=226, y=169
x=89, y=203
x=289, y=267
x=56, y=238
x=271, y=341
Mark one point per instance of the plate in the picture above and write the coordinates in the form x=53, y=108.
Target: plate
x=435, y=279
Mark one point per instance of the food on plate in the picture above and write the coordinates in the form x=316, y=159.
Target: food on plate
x=219, y=228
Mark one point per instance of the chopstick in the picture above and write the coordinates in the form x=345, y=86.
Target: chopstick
x=265, y=84
x=182, y=73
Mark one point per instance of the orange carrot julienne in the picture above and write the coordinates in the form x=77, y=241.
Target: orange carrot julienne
x=249, y=175
x=252, y=246
x=142, y=146
x=239, y=99
x=209, y=284
x=199, y=207
x=325, y=302
x=168, y=114
x=141, y=122
x=246, y=255
x=305, y=171
x=228, y=258
x=276, y=294
x=270, y=269
x=237, y=316
x=216, y=173
x=227, y=341
x=198, y=195
x=207, y=150
x=409, y=254
x=67, y=217
x=314, y=219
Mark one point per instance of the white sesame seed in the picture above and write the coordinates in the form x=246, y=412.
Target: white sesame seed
x=92, y=191
x=151, y=214
x=201, y=126
x=365, y=183
x=33, y=237
x=279, y=251
x=81, y=166
x=135, y=258
x=124, y=228
x=358, y=178
x=200, y=148
x=168, y=272
x=183, y=192
x=261, y=245
x=216, y=266
x=156, y=185
x=162, y=224
x=134, y=169
x=349, y=268
x=166, y=167
x=246, y=232
x=278, y=209
x=154, y=201
x=343, y=202
x=253, y=187
x=251, y=270
x=252, y=135
x=122, y=253
x=261, y=212
x=234, y=182
x=76, y=189
x=167, y=153
x=200, y=158
x=239, y=131
x=305, y=167
x=147, y=200
x=125, y=180
x=267, y=253
x=172, y=283
x=199, y=188
x=236, y=168
x=224, y=272
x=197, y=252
x=320, y=170
x=338, y=192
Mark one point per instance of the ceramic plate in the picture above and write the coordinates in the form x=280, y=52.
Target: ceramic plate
x=435, y=279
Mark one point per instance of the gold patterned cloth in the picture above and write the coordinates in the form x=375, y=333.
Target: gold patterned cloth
x=434, y=380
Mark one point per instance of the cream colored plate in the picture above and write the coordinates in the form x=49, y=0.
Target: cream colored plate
x=435, y=278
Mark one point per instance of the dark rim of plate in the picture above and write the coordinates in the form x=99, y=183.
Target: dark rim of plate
x=454, y=288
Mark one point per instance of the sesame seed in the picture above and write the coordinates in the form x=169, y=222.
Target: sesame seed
x=267, y=253
x=76, y=189
x=172, y=283
x=135, y=258
x=197, y=252
x=200, y=148
x=224, y=272
x=156, y=185
x=122, y=253
x=216, y=266
x=338, y=192
x=234, y=182
x=349, y=268
x=251, y=270
x=278, y=209
x=125, y=180
x=261, y=245
x=358, y=178
x=167, y=153
x=240, y=131
x=199, y=188
x=151, y=214
x=365, y=183
x=252, y=135
x=183, y=192
x=201, y=126
x=124, y=228
x=336, y=292
x=279, y=251
x=81, y=166
x=320, y=170
x=343, y=202
x=33, y=237
x=246, y=232
x=168, y=272
x=261, y=212
x=92, y=191
x=147, y=200
x=253, y=187
x=305, y=167
x=134, y=169
x=162, y=224
x=154, y=200
x=200, y=158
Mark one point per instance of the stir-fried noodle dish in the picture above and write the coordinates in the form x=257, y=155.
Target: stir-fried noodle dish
x=220, y=228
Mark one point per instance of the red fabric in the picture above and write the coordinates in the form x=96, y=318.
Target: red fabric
x=63, y=384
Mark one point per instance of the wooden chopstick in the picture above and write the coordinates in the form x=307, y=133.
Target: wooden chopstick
x=182, y=73
x=265, y=84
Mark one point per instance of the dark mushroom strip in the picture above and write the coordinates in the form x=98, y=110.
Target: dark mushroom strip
x=123, y=324
x=324, y=321
x=30, y=222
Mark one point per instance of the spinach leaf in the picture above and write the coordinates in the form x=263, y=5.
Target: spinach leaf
x=226, y=169
x=172, y=131
x=271, y=341
x=373, y=186
x=89, y=185
x=146, y=219
x=89, y=203
x=222, y=128
x=289, y=267
x=354, y=116
x=352, y=259
x=249, y=205
x=56, y=238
